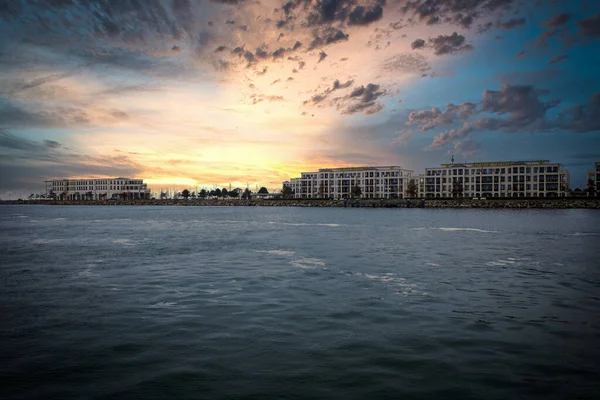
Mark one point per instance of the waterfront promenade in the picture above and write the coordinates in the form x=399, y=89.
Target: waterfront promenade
x=537, y=203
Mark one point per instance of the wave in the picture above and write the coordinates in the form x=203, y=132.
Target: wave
x=124, y=242
x=303, y=224
x=163, y=304
x=465, y=229
x=307, y=263
x=583, y=234
x=46, y=241
x=277, y=252
x=391, y=279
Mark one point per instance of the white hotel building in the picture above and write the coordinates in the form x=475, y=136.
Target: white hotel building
x=498, y=179
x=98, y=189
x=375, y=182
x=594, y=177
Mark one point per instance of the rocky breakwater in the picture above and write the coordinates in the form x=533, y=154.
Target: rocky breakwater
x=550, y=203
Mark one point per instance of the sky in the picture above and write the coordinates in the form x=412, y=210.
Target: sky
x=186, y=93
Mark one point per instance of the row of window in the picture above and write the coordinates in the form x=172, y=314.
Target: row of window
x=484, y=171
x=370, y=174
x=494, y=188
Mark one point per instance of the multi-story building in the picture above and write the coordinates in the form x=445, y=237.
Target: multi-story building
x=374, y=182
x=593, y=178
x=98, y=189
x=497, y=179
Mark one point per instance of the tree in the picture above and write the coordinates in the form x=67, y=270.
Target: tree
x=218, y=192
x=163, y=195
x=457, y=189
x=202, y=194
x=234, y=193
x=321, y=189
x=287, y=191
x=263, y=190
x=185, y=194
x=356, y=191
x=412, y=189
x=224, y=192
x=193, y=195
x=247, y=194
x=591, y=189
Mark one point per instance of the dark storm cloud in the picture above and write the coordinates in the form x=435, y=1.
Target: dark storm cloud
x=583, y=118
x=260, y=53
x=465, y=21
x=512, y=109
x=362, y=99
x=326, y=36
x=448, y=44
x=417, y=44
x=344, y=11
x=590, y=27
x=558, y=20
x=459, y=12
x=25, y=164
x=511, y=23
x=521, y=104
x=363, y=16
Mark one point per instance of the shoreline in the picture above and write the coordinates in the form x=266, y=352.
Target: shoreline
x=530, y=203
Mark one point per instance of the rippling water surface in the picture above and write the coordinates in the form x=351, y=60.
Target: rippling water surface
x=198, y=302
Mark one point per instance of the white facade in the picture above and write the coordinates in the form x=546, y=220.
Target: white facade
x=337, y=183
x=98, y=189
x=497, y=179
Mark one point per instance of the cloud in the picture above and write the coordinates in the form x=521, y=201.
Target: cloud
x=512, y=109
x=319, y=97
x=363, y=16
x=405, y=63
x=322, y=56
x=448, y=44
x=327, y=36
x=521, y=54
x=522, y=106
x=257, y=98
x=326, y=12
x=590, y=27
x=52, y=144
x=429, y=119
x=582, y=118
x=467, y=147
x=458, y=12
x=444, y=138
x=417, y=44
x=362, y=99
x=511, y=23
x=558, y=58
x=25, y=163
x=176, y=49
x=557, y=20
